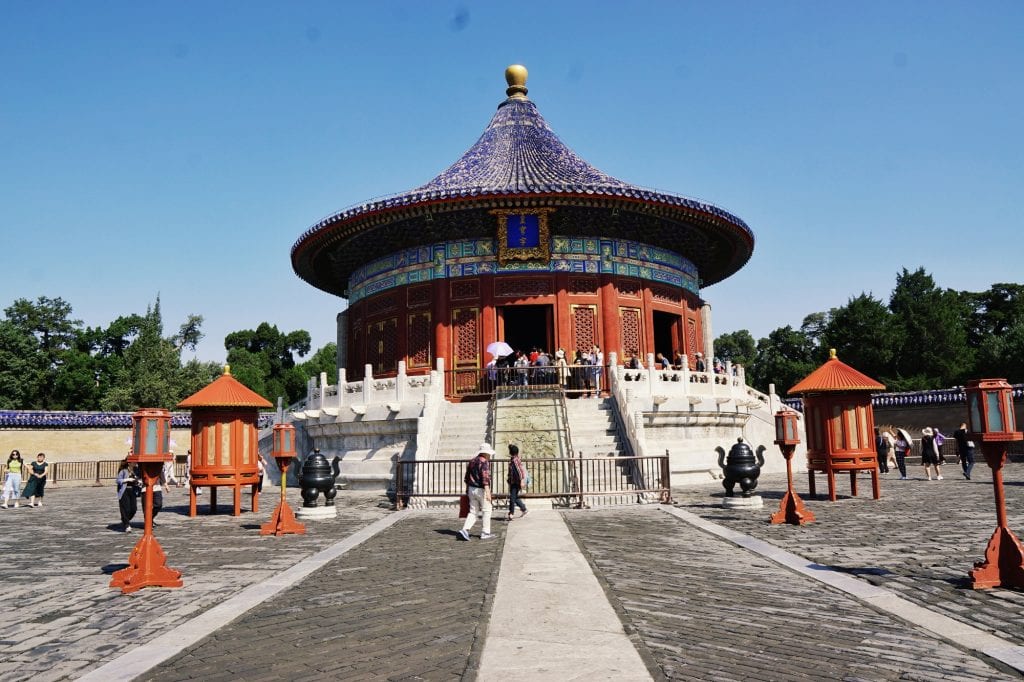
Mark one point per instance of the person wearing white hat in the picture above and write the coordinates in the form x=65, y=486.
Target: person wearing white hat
x=478, y=489
x=930, y=455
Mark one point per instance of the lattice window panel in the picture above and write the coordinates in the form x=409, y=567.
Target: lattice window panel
x=418, y=296
x=381, y=343
x=383, y=303
x=463, y=289
x=466, y=336
x=582, y=285
x=691, y=338
x=522, y=287
x=666, y=295
x=630, y=318
x=629, y=287
x=419, y=340
x=584, y=327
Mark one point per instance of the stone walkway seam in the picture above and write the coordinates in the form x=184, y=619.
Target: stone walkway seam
x=159, y=649
x=953, y=631
x=551, y=619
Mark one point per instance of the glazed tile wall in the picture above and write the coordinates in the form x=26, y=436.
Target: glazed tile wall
x=449, y=260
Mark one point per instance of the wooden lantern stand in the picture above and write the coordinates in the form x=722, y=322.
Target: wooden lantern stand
x=1003, y=565
x=791, y=508
x=282, y=521
x=147, y=563
x=990, y=415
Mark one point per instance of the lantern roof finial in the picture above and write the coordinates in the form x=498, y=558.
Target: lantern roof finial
x=832, y=354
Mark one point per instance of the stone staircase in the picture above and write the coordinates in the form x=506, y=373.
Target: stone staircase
x=463, y=428
x=594, y=429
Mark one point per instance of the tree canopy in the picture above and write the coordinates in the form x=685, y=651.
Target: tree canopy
x=50, y=360
x=925, y=337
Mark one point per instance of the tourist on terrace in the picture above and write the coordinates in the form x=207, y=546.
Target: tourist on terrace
x=478, y=489
x=597, y=360
x=964, y=450
x=698, y=364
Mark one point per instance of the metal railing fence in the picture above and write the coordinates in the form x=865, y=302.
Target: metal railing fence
x=95, y=473
x=568, y=479
x=575, y=381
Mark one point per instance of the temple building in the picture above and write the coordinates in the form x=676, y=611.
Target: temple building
x=521, y=244
x=522, y=241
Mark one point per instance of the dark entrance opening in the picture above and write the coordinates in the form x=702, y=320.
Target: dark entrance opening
x=666, y=336
x=527, y=326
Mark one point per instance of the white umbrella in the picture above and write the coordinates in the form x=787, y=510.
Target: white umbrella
x=499, y=349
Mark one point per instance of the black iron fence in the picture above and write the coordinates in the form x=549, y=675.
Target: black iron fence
x=566, y=480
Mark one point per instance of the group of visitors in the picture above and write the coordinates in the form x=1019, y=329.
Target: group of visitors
x=35, y=473
x=893, y=444
x=579, y=375
x=478, y=489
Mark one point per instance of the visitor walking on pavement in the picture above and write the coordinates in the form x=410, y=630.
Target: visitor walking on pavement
x=37, y=473
x=478, y=488
x=902, y=447
x=964, y=450
x=127, y=503
x=930, y=453
x=12, y=483
x=882, y=452
x=516, y=481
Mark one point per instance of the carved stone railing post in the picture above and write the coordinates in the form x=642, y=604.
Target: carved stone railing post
x=342, y=386
x=367, y=384
x=400, y=382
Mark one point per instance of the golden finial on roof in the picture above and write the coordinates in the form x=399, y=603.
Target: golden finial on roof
x=515, y=76
x=832, y=354
x=227, y=369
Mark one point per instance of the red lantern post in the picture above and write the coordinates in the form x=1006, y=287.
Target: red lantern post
x=991, y=420
x=283, y=520
x=147, y=564
x=787, y=437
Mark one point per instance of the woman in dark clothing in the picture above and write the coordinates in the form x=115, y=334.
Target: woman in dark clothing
x=127, y=484
x=930, y=453
x=901, y=448
x=37, y=473
x=516, y=478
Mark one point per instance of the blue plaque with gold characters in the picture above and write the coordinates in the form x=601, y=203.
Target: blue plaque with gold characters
x=523, y=234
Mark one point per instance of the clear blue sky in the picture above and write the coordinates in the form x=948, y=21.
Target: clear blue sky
x=181, y=148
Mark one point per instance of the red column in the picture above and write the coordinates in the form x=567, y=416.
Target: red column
x=563, y=320
x=609, y=312
x=648, y=312
x=441, y=320
x=488, y=316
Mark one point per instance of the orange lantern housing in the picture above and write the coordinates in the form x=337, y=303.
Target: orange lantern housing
x=840, y=423
x=225, y=440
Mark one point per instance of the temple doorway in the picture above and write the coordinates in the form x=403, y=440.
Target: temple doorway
x=527, y=326
x=666, y=334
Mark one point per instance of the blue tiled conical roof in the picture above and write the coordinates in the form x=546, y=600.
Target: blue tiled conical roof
x=517, y=156
x=518, y=152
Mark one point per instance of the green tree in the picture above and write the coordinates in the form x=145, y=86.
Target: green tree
x=20, y=371
x=49, y=321
x=264, y=360
x=783, y=358
x=861, y=333
x=736, y=347
x=930, y=328
x=324, y=360
x=146, y=366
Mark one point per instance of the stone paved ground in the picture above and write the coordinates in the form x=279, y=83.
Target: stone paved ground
x=61, y=618
x=411, y=603
x=705, y=610
x=919, y=540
